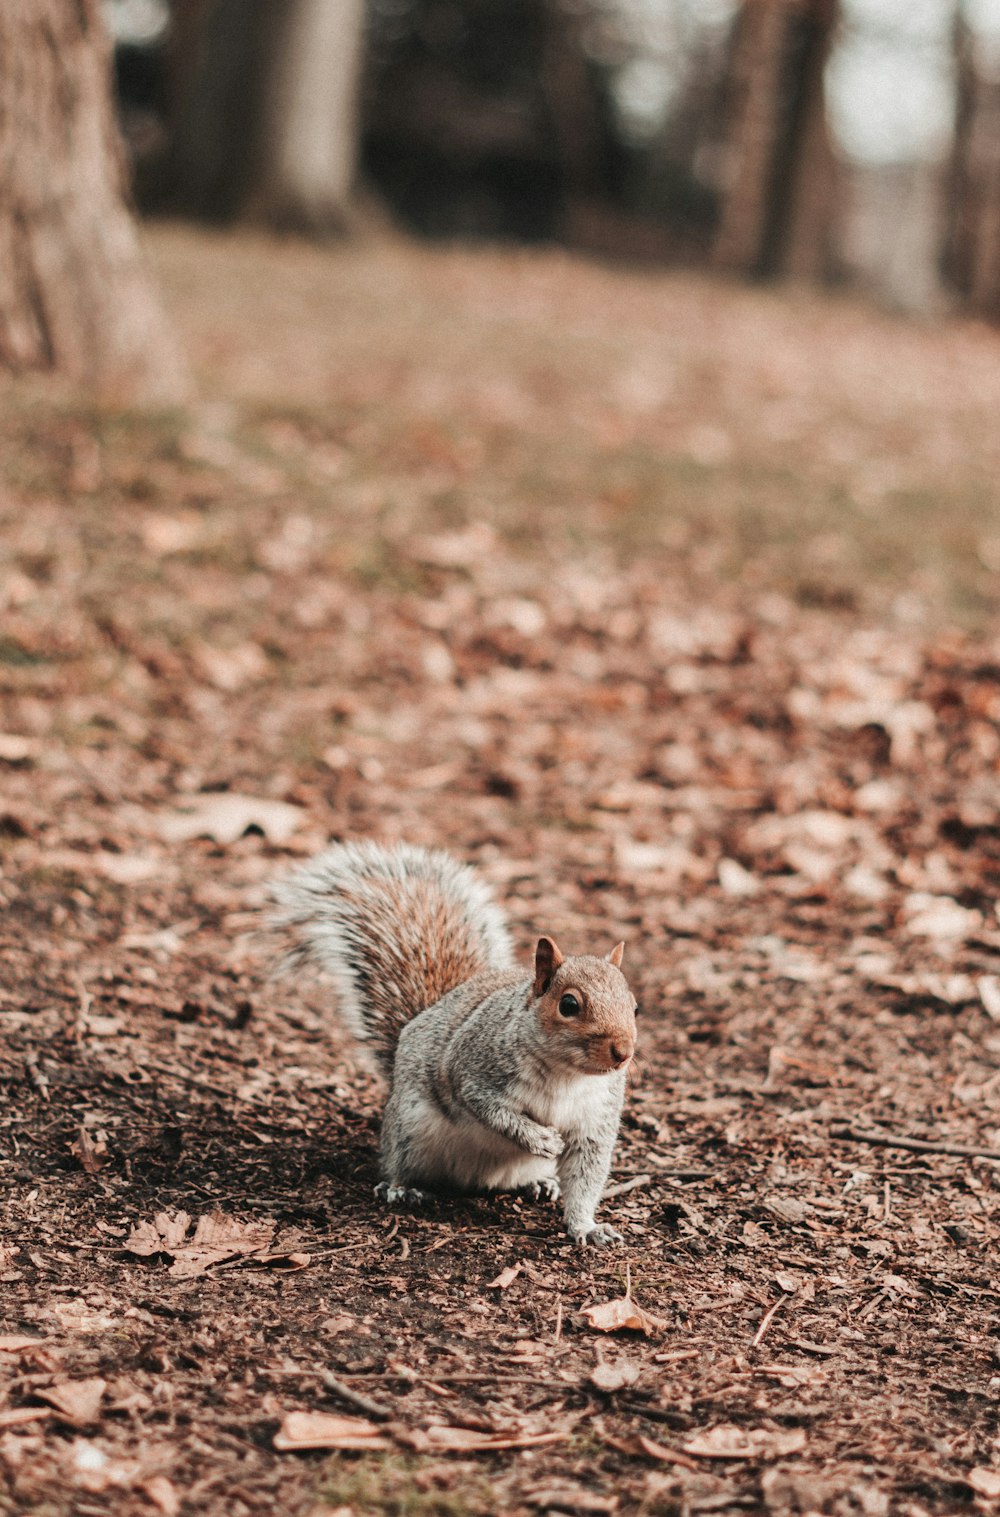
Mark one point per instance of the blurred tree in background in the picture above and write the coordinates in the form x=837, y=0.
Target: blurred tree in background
x=74, y=293
x=263, y=109
x=972, y=248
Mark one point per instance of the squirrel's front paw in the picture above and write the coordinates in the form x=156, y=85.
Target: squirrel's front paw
x=598, y=1236
x=400, y=1195
x=546, y=1189
x=548, y=1144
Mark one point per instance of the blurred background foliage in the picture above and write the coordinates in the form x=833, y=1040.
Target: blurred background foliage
x=830, y=140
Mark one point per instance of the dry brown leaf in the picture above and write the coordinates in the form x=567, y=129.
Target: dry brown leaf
x=727, y=1441
x=218, y=1237
x=16, y=1343
x=91, y=1151
x=622, y=1315
x=615, y=1376
x=224, y=816
x=327, y=1430
x=506, y=1277
x=78, y=1401
x=340, y=1322
x=985, y=1482
x=161, y=1236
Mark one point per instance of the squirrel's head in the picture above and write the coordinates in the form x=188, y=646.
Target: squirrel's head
x=585, y=1007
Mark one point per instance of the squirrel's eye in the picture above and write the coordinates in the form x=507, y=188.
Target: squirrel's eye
x=569, y=1006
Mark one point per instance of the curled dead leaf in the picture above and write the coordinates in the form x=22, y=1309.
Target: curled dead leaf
x=624, y=1314
x=327, y=1430
x=506, y=1277
x=216, y=1238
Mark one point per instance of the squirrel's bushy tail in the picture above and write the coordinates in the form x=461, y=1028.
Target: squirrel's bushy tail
x=395, y=928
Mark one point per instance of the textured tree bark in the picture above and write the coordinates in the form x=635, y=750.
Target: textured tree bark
x=75, y=295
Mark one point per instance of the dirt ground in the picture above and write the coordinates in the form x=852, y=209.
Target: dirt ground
x=671, y=607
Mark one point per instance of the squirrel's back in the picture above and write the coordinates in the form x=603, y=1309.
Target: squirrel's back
x=395, y=928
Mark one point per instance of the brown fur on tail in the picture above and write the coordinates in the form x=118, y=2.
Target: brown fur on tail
x=395, y=929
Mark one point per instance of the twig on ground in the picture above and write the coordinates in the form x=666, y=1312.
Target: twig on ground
x=624, y=1186
x=766, y=1320
x=916, y=1145
x=355, y=1398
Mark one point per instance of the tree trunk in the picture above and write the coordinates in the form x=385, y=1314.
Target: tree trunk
x=972, y=213
x=779, y=201
x=311, y=117
x=75, y=296
x=266, y=103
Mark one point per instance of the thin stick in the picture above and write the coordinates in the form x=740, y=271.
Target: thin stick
x=624, y=1186
x=766, y=1320
x=355, y=1398
x=915, y=1145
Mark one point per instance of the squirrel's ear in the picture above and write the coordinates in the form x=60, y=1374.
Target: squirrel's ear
x=615, y=956
x=547, y=961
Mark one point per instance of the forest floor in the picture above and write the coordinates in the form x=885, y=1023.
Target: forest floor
x=670, y=605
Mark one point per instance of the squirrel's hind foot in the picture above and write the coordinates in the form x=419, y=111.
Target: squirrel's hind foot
x=598, y=1236
x=400, y=1195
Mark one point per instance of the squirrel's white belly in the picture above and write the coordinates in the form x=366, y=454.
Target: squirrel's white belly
x=567, y=1104
x=468, y=1156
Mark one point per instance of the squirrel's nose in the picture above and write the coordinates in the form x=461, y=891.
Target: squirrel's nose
x=620, y=1052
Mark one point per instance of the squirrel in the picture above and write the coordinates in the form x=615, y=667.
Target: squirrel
x=497, y=1080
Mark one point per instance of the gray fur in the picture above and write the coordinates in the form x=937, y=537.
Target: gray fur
x=482, y=1097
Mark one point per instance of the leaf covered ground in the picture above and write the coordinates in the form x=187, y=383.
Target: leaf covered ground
x=669, y=605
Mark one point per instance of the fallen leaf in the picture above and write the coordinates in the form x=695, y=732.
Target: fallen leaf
x=224, y=816
x=161, y=1236
x=615, y=1376
x=16, y=1343
x=506, y=1277
x=622, y=1315
x=727, y=1441
x=342, y=1322
x=985, y=1482
x=75, y=1316
x=90, y=1151
x=78, y=1401
x=216, y=1237
x=327, y=1430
